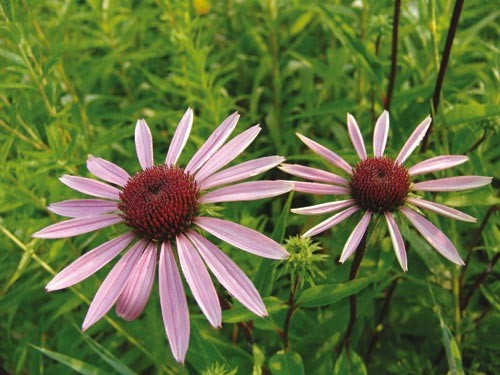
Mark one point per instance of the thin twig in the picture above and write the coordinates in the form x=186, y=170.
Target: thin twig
x=289, y=314
x=394, y=57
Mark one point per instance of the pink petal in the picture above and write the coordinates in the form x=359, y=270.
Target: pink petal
x=199, y=281
x=397, y=241
x=213, y=143
x=74, y=227
x=113, y=285
x=228, y=152
x=229, y=274
x=134, y=297
x=323, y=189
x=324, y=208
x=247, y=191
x=380, y=134
x=173, y=302
x=313, y=174
x=244, y=238
x=82, y=207
x=356, y=137
x=241, y=171
x=89, y=263
x=453, y=183
x=441, y=209
x=433, y=235
x=326, y=153
x=356, y=236
x=330, y=222
x=144, y=144
x=107, y=171
x=180, y=138
x=414, y=140
x=437, y=163
x=91, y=187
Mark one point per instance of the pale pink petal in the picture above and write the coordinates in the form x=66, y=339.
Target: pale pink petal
x=74, y=227
x=324, y=208
x=331, y=221
x=397, y=241
x=144, y=144
x=453, y=183
x=199, y=281
x=433, y=235
x=82, y=207
x=90, y=187
x=180, y=138
x=229, y=274
x=321, y=189
x=326, y=153
x=113, y=285
x=313, y=174
x=380, y=134
x=441, y=209
x=89, y=263
x=414, y=140
x=213, y=143
x=356, y=236
x=437, y=163
x=173, y=302
x=107, y=171
x=241, y=171
x=228, y=152
x=134, y=297
x=356, y=137
x=244, y=238
x=248, y=191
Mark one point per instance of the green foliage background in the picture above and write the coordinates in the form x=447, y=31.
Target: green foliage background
x=74, y=77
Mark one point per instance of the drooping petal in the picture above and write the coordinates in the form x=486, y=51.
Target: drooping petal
x=107, y=171
x=134, y=297
x=82, y=207
x=180, y=138
x=397, y=241
x=414, y=140
x=356, y=137
x=74, y=227
x=248, y=191
x=242, y=237
x=313, y=174
x=322, y=189
x=213, y=143
x=113, y=285
x=441, y=209
x=356, y=236
x=324, y=208
x=199, y=281
x=144, y=144
x=453, y=183
x=326, y=153
x=380, y=134
x=89, y=263
x=437, y=163
x=173, y=302
x=331, y=221
x=229, y=274
x=433, y=235
x=228, y=152
x=241, y=171
x=90, y=187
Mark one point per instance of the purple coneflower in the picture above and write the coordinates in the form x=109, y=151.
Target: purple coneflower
x=380, y=185
x=162, y=205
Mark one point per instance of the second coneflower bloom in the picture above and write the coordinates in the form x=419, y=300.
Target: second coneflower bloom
x=380, y=185
x=162, y=209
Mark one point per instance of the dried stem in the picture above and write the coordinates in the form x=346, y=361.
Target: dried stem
x=394, y=57
x=289, y=314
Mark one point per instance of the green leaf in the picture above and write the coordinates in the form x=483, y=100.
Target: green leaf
x=289, y=363
x=471, y=112
x=241, y=314
x=349, y=364
x=73, y=363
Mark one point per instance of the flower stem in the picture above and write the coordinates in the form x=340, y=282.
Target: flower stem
x=394, y=57
x=289, y=314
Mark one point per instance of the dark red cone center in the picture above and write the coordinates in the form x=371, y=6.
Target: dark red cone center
x=160, y=202
x=379, y=184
